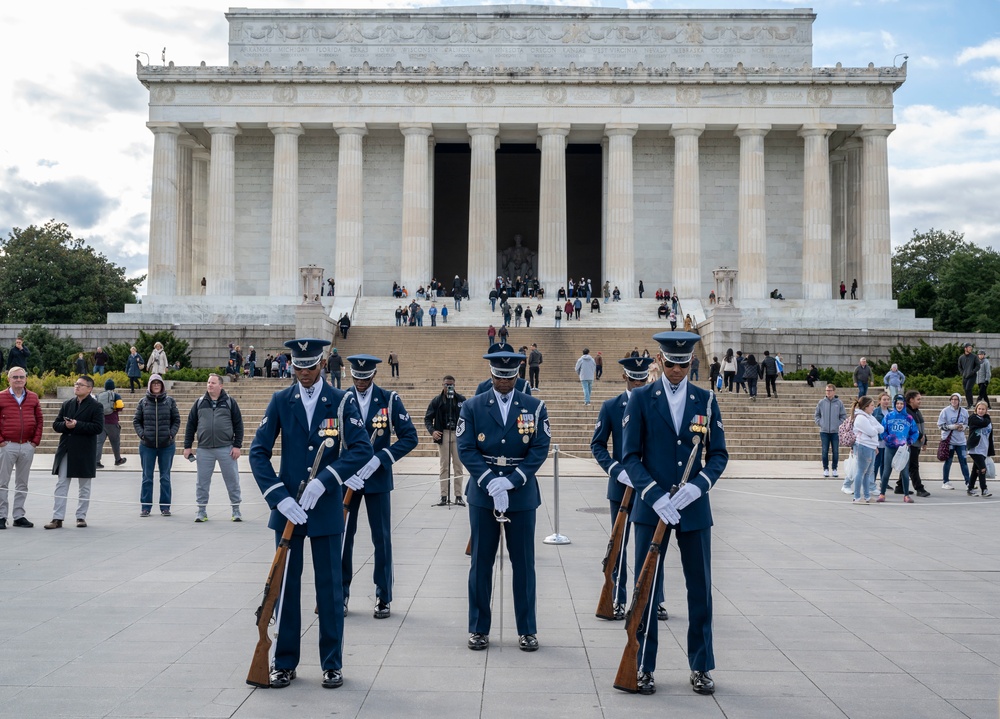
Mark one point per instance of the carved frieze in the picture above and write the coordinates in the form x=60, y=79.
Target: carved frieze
x=879, y=96
x=285, y=94
x=819, y=96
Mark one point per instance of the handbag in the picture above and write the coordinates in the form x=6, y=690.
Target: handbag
x=901, y=459
x=944, y=448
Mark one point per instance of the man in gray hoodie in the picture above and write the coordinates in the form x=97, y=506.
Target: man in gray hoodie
x=217, y=421
x=830, y=412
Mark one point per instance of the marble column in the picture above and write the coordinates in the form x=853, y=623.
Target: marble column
x=220, y=268
x=752, y=232
x=876, y=245
x=552, y=248
x=350, y=255
x=185, y=164
x=838, y=221
x=620, y=223
x=816, y=275
x=853, y=205
x=686, y=256
x=284, y=273
x=163, y=227
x=199, y=218
x=416, y=264
x=482, y=269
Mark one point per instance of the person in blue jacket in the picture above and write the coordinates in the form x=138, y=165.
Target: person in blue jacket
x=323, y=443
x=521, y=385
x=503, y=439
x=667, y=424
x=900, y=432
x=635, y=372
x=384, y=416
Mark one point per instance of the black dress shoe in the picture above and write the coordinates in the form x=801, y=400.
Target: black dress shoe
x=661, y=613
x=528, y=643
x=702, y=683
x=459, y=501
x=100, y=466
x=478, y=641
x=281, y=678
x=381, y=610
x=923, y=493
x=442, y=503
x=619, y=612
x=646, y=684
x=3, y=523
x=22, y=522
x=898, y=489
x=333, y=678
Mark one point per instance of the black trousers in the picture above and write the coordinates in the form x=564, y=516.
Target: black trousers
x=984, y=393
x=533, y=376
x=769, y=384
x=969, y=385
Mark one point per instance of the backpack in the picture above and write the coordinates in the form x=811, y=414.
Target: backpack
x=107, y=400
x=846, y=433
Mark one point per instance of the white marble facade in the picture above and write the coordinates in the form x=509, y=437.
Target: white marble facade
x=722, y=146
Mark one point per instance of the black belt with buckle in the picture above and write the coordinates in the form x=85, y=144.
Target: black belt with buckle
x=503, y=461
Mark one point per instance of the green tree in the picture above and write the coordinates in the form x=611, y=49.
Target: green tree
x=49, y=352
x=48, y=276
x=922, y=258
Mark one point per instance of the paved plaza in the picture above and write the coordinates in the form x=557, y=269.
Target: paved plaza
x=822, y=609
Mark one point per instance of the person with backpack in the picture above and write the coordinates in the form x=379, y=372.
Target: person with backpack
x=218, y=423
x=829, y=415
x=112, y=404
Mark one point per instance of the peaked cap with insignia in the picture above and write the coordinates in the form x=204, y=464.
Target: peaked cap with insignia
x=306, y=352
x=363, y=366
x=636, y=368
x=677, y=347
x=504, y=365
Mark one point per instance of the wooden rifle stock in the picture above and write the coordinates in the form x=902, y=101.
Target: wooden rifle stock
x=260, y=665
x=605, y=605
x=627, y=678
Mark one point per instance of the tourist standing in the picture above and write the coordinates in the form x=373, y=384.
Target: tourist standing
x=900, y=432
x=980, y=447
x=862, y=377
x=953, y=421
x=441, y=419
x=913, y=399
x=894, y=380
x=157, y=421
x=79, y=421
x=157, y=362
x=216, y=420
x=20, y=434
x=983, y=376
x=867, y=432
x=829, y=414
x=968, y=368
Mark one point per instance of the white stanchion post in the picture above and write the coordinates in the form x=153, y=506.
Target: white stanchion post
x=556, y=538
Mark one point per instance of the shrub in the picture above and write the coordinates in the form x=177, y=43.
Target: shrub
x=48, y=350
x=177, y=350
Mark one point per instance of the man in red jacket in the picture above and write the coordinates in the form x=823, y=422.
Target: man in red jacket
x=20, y=433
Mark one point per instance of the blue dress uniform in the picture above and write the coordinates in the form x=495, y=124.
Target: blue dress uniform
x=609, y=425
x=512, y=451
x=385, y=415
x=486, y=385
x=338, y=432
x=656, y=453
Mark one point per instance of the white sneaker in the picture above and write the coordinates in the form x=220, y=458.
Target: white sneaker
x=826, y=472
x=834, y=473
x=847, y=490
x=946, y=485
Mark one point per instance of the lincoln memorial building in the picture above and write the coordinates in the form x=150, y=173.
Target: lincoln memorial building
x=395, y=146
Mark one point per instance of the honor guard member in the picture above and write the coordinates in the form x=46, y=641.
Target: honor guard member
x=666, y=423
x=322, y=434
x=503, y=438
x=487, y=384
x=384, y=415
x=635, y=372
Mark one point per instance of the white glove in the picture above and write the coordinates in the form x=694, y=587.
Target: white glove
x=292, y=511
x=498, y=485
x=685, y=495
x=666, y=511
x=369, y=469
x=623, y=478
x=501, y=501
x=355, y=482
x=311, y=494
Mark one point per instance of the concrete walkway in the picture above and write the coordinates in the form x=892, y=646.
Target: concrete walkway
x=822, y=609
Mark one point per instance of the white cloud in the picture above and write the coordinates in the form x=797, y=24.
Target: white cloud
x=888, y=41
x=990, y=76
x=989, y=50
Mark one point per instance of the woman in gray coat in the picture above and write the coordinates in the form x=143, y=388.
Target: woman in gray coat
x=983, y=376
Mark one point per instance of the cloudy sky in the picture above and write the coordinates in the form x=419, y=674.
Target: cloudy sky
x=75, y=146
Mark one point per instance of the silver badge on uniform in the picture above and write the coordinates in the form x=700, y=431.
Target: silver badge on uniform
x=460, y=427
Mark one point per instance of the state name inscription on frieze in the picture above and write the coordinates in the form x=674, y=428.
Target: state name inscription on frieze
x=551, y=37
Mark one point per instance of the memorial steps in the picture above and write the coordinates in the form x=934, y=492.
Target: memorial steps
x=764, y=430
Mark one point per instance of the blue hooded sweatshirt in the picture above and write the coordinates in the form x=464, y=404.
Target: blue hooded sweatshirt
x=900, y=429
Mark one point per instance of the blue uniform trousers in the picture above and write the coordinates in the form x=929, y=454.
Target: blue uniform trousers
x=621, y=578
x=696, y=560
x=520, y=536
x=329, y=601
x=378, y=507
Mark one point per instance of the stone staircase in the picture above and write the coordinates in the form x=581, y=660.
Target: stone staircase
x=776, y=429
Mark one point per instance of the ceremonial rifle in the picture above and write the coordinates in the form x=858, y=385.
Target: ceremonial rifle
x=627, y=678
x=605, y=605
x=260, y=665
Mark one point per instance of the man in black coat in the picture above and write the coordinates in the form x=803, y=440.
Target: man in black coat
x=79, y=422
